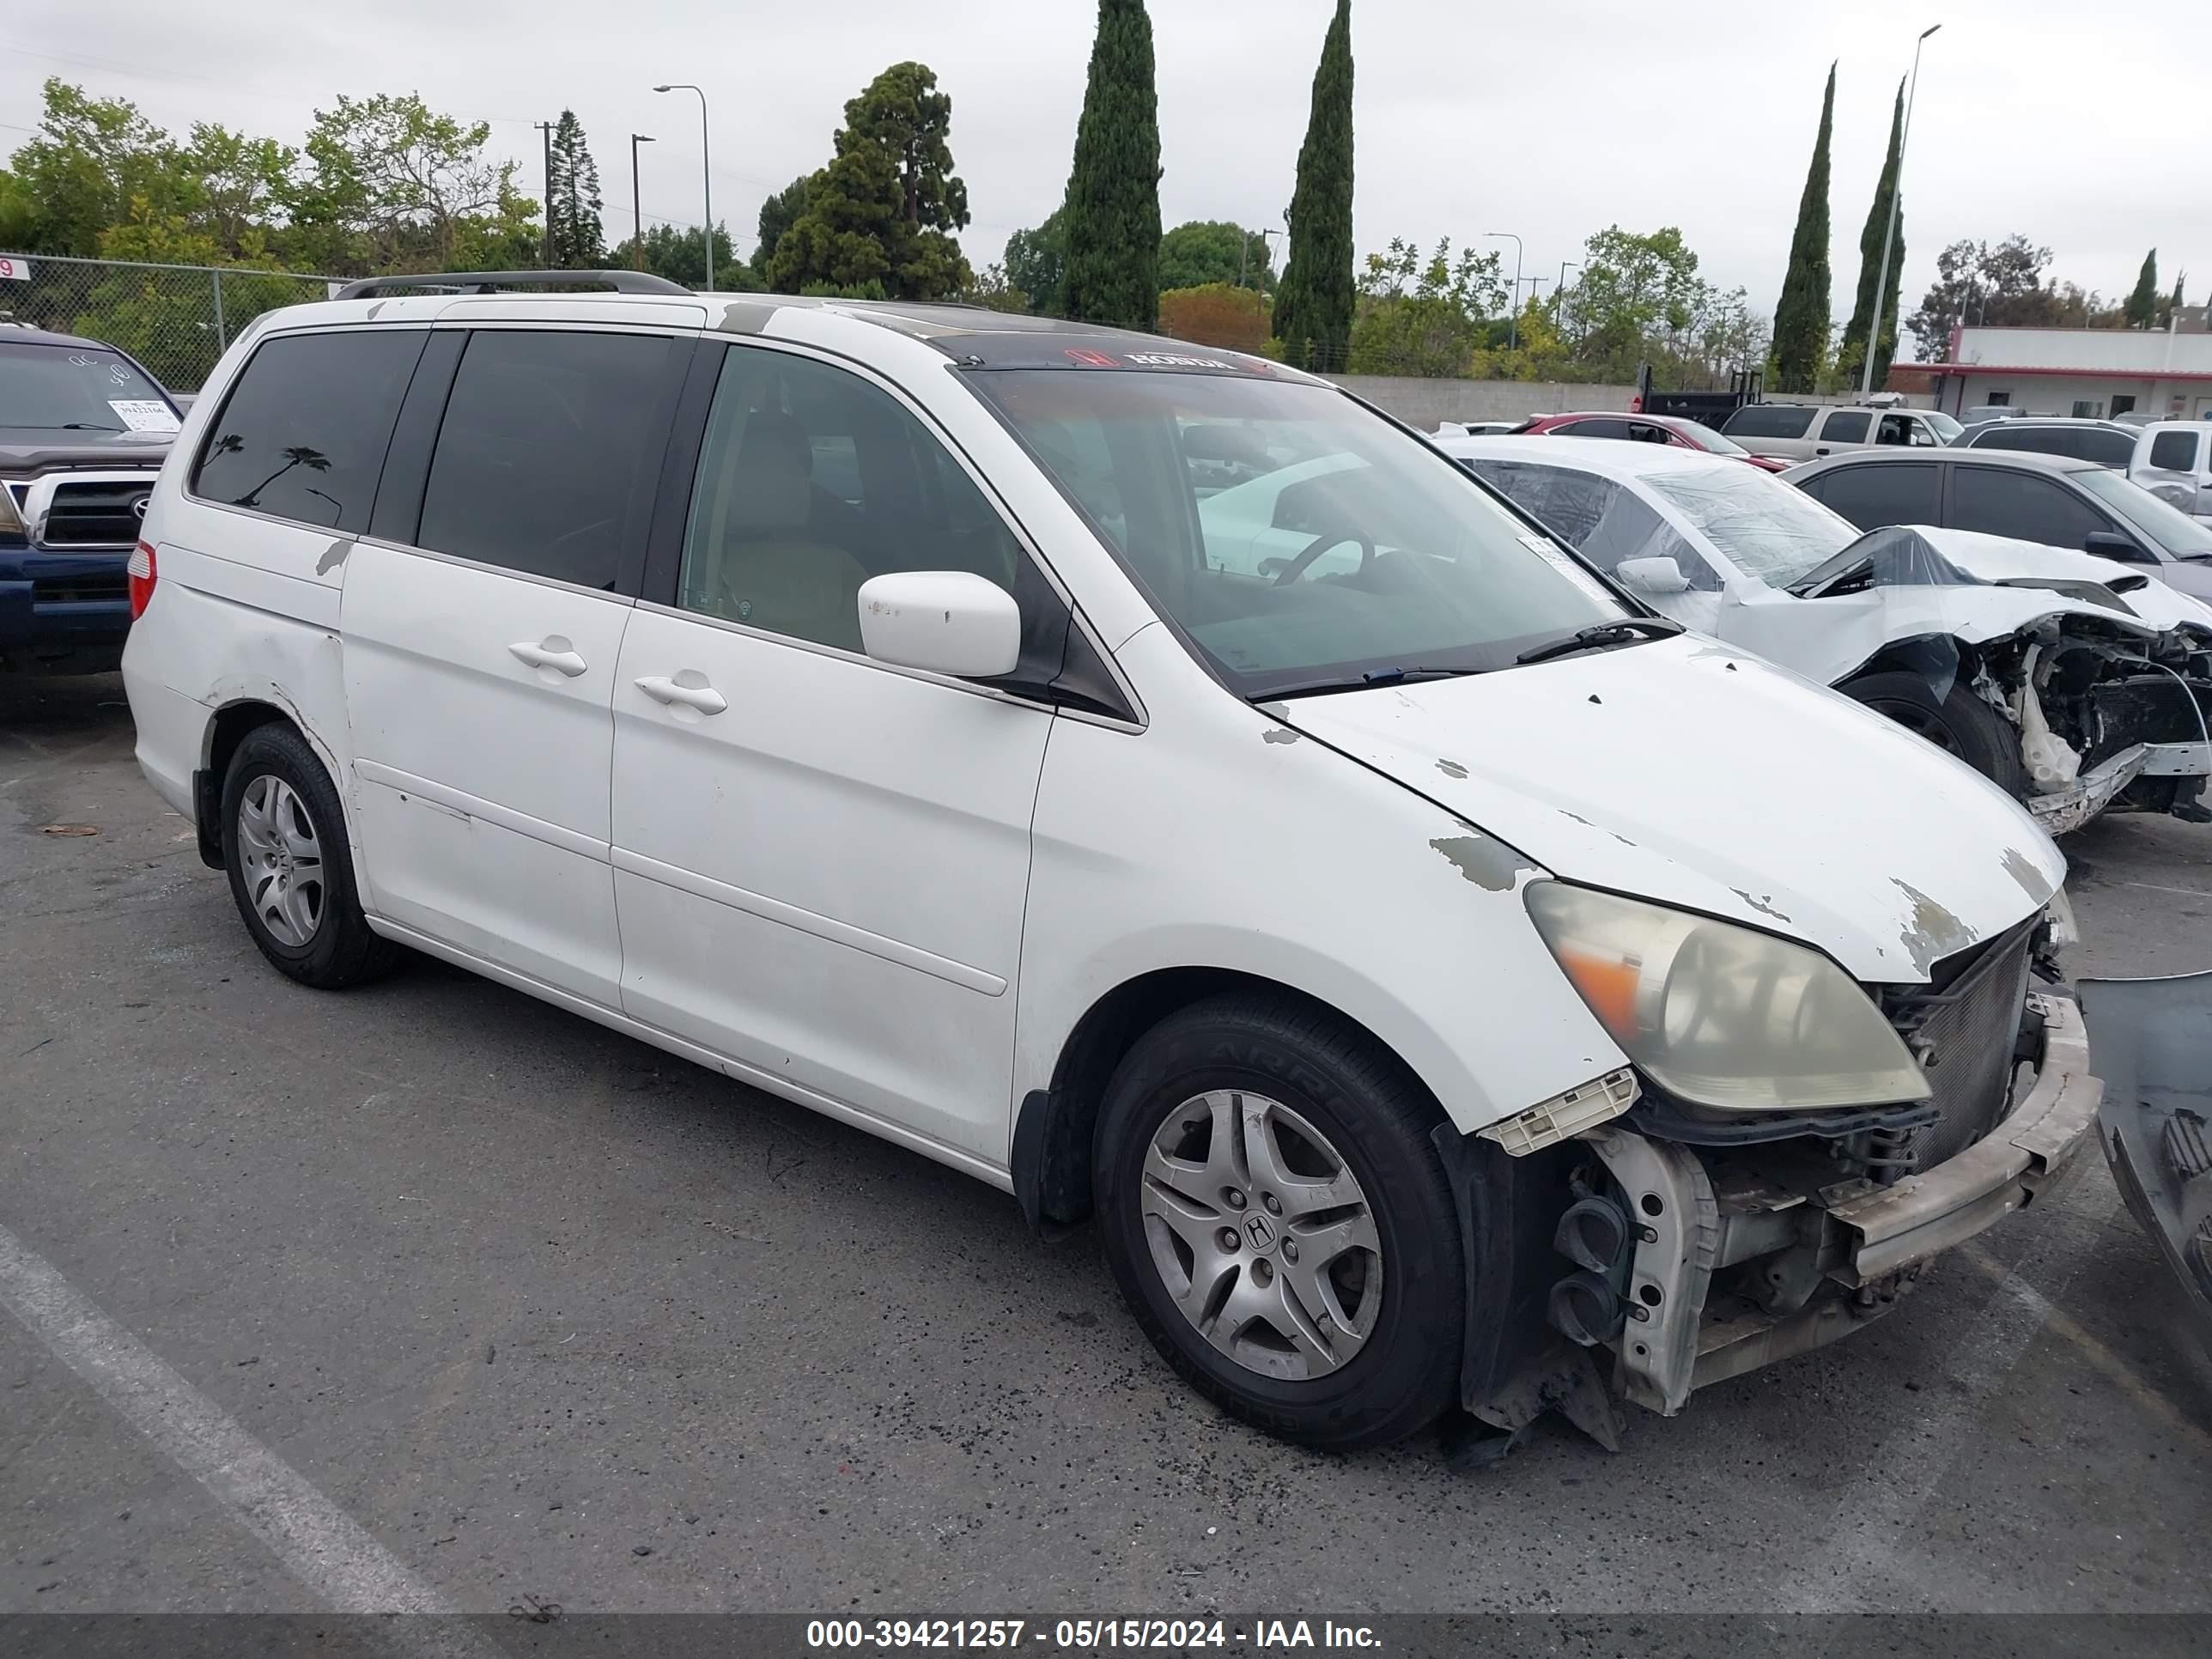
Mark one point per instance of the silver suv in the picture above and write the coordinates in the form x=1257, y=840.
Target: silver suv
x=1805, y=432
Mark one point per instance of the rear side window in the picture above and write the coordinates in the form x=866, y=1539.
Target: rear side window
x=1872, y=496
x=1768, y=421
x=302, y=433
x=2000, y=502
x=541, y=458
x=1592, y=429
x=1846, y=426
x=2174, y=451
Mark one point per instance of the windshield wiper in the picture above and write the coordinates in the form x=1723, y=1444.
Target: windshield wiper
x=63, y=426
x=1362, y=682
x=1626, y=631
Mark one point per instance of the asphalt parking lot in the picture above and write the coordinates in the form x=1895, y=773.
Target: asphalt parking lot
x=543, y=1312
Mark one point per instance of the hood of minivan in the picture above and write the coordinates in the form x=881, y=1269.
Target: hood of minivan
x=1686, y=773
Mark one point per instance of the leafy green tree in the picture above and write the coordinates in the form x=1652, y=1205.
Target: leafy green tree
x=1636, y=292
x=679, y=254
x=1423, y=317
x=993, y=291
x=19, y=214
x=1111, y=218
x=1801, y=317
x=1036, y=263
x=91, y=158
x=580, y=242
x=245, y=189
x=884, y=212
x=392, y=186
x=1204, y=251
x=777, y=214
x=2001, y=285
x=1872, y=240
x=1313, y=306
x=2143, y=304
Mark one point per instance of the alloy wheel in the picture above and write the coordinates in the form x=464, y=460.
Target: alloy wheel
x=283, y=859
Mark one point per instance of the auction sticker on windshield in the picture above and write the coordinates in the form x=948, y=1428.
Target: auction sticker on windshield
x=144, y=414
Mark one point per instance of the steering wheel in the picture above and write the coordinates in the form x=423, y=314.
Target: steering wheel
x=1321, y=544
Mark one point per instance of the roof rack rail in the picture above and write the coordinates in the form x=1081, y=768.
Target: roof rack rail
x=491, y=282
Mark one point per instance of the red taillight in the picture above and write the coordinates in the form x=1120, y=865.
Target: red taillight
x=141, y=572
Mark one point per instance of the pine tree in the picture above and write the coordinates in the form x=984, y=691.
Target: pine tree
x=2173, y=302
x=1112, y=213
x=1801, y=317
x=573, y=191
x=880, y=218
x=2141, y=310
x=1872, y=240
x=1313, y=302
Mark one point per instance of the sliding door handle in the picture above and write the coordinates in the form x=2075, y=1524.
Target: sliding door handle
x=703, y=697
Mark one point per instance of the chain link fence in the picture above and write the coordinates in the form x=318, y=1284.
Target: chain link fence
x=176, y=319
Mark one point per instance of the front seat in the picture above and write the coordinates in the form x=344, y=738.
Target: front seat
x=762, y=568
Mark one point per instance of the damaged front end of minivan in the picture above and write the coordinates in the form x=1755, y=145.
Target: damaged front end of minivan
x=1671, y=1246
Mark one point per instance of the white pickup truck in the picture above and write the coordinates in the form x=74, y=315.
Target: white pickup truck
x=2174, y=461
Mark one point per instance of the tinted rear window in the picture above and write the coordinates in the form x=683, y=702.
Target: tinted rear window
x=2174, y=451
x=2086, y=443
x=1847, y=426
x=541, y=457
x=1872, y=496
x=1768, y=421
x=303, y=433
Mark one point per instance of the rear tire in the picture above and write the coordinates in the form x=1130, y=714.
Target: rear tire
x=1335, y=1317
x=291, y=867
x=1959, y=723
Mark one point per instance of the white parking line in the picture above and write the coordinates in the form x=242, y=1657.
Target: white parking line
x=317, y=1542
x=1855, y=1561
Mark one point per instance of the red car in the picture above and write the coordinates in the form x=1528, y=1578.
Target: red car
x=1644, y=429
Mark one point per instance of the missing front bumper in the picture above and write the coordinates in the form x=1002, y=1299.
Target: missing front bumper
x=1867, y=1241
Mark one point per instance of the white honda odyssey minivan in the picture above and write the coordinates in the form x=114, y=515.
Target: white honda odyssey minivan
x=1139, y=775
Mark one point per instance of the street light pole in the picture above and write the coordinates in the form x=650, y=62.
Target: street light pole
x=1889, y=236
x=706, y=172
x=636, y=204
x=1513, y=328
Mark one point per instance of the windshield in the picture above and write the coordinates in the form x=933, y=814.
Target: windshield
x=61, y=388
x=1765, y=528
x=1298, y=539
x=2180, y=535
x=1699, y=436
x=1946, y=428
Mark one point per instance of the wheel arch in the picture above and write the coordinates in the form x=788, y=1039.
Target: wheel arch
x=235, y=718
x=1051, y=1152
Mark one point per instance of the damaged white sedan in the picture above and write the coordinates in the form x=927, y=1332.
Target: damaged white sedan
x=2077, y=684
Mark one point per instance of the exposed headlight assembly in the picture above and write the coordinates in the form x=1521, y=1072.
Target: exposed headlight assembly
x=1720, y=1016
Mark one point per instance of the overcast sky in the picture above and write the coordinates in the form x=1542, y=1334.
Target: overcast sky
x=1550, y=120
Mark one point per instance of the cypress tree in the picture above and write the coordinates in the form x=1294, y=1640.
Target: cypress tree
x=1313, y=304
x=1112, y=213
x=579, y=242
x=1872, y=240
x=1801, y=317
x=2173, y=300
x=2143, y=304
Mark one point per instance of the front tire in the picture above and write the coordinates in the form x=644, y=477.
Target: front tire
x=1959, y=723
x=290, y=866
x=1280, y=1223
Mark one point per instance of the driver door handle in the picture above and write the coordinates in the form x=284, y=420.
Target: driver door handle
x=565, y=661
x=704, y=698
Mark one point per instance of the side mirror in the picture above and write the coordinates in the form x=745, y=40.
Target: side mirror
x=947, y=621
x=1660, y=574
x=2110, y=545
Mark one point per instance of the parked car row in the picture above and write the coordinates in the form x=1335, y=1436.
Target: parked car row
x=1142, y=777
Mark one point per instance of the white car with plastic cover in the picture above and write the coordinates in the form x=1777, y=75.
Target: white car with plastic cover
x=1136, y=774
x=2077, y=684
